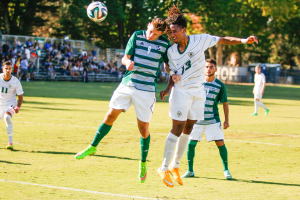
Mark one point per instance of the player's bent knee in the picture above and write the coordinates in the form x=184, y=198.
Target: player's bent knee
x=219, y=142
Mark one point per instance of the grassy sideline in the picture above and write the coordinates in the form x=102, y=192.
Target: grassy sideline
x=59, y=119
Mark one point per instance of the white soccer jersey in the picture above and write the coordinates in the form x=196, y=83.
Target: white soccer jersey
x=191, y=63
x=9, y=90
x=259, y=80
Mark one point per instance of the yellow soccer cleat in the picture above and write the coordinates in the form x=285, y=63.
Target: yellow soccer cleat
x=176, y=175
x=164, y=175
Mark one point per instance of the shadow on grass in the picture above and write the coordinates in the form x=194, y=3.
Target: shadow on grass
x=43, y=103
x=73, y=154
x=13, y=163
x=254, y=181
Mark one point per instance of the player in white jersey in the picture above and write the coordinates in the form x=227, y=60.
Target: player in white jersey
x=144, y=53
x=187, y=98
x=258, y=90
x=10, y=86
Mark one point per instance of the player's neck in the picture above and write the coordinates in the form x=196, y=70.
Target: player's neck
x=183, y=43
x=210, y=78
x=6, y=77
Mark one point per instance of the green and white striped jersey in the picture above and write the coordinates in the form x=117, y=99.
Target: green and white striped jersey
x=215, y=93
x=147, y=56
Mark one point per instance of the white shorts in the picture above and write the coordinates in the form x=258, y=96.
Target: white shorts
x=212, y=132
x=257, y=96
x=4, y=109
x=142, y=101
x=187, y=105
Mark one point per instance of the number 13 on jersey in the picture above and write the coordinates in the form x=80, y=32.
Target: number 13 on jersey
x=188, y=65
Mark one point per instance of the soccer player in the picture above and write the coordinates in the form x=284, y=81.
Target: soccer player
x=215, y=93
x=187, y=99
x=144, y=53
x=258, y=90
x=10, y=86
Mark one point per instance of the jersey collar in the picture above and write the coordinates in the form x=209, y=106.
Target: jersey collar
x=185, y=47
x=2, y=76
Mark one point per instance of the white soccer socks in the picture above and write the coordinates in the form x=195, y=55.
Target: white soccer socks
x=180, y=150
x=256, y=104
x=9, y=127
x=262, y=105
x=169, y=150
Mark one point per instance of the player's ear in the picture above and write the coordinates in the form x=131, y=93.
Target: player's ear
x=216, y=68
x=148, y=25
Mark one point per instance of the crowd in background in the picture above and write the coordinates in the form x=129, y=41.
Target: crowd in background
x=58, y=59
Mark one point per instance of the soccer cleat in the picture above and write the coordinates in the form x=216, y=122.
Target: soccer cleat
x=254, y=114
x=143, y=171
x=164, y=175
x=227, y=174
x=10, y=146
x=90, y=150
x=176, y=175
x=267, y=112
x=188, y=174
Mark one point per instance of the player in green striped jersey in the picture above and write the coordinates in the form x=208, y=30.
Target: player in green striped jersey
x=215, y=93
x=144, y=53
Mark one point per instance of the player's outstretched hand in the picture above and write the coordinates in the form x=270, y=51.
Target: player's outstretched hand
x=252, y=39
x=176, y=78
x=225, y=125
x=163, y=94
x=129, y=65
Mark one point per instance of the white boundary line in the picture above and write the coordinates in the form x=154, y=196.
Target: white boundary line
x=262, y=143
x=78, y=190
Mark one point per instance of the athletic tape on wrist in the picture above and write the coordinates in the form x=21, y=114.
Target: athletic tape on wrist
x=171, y=73
x=243, y=41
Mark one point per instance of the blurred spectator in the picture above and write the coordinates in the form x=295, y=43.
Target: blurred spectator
x=14, y=43
x=24, y=69
x=58, y=55
x=29, y=43
x=31, y=70
x=94, y=52
x=122, y=69
x=111, y=64
x=76, y=70
x=5, y=48
x=19, y=45
x=33, y=56
x=27, y=52
x=51, y=72
x=66, y=62
x=95, y=68
x=105, y=66
x=83, y=52
x=114, y=71
x=47, y=45
x=85, y=74
x=13, y=60
x=47, y=63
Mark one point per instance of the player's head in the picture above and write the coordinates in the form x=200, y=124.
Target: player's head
x=257, y=69
x=210, y=67
x=155, y=29
x=7, y=67
x=176, y=25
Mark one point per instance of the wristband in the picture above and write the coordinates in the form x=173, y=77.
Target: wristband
x=171, y=73
x=243, y=41
x=18, y=107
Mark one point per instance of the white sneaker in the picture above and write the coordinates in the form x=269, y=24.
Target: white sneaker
x=227, y=174
x=188, y=174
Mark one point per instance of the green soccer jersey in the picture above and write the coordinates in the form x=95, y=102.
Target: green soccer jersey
x=215, y=93
x=147, y=56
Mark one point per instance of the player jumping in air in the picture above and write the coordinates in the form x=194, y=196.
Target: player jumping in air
x=10, y=86
x=258, y=90
x=187, y=98
x=215, y=93
x=144, y=53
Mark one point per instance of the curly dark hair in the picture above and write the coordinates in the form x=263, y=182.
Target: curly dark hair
x=175, y=17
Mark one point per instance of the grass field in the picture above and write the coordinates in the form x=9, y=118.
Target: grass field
x=57, y=120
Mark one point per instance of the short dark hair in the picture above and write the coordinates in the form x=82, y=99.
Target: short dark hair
x=6, y=63
x=159, y=24
x=258, y=66
x=212, y=61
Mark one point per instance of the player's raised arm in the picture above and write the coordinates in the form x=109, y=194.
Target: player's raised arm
x=228, y=40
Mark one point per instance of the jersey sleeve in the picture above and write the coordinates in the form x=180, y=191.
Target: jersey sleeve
x=130, y=47
x=172, y=65
x=19, y=89
x=165, y=55
x=223, y=94
x=263, y=79
x=209, y=41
